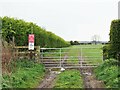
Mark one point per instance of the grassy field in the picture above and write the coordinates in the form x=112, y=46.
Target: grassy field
x=73, y=52
x=69, y=79
x=90, y=53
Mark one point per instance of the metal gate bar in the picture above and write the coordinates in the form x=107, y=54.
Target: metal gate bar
x=61, y=57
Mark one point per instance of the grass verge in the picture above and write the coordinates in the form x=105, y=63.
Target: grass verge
x=69, y=79
x=26, y=74
x=108, y=72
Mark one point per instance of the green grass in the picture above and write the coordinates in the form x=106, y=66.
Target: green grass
x=26, y=74
x=69, y=79
x=55, y=54
x=92, y=53
x=73, y=54
x=51, y=53
x=108, y=72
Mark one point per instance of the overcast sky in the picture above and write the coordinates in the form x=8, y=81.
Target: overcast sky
x=69, y=19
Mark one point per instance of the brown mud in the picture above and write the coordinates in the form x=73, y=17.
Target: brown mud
x=89, y=79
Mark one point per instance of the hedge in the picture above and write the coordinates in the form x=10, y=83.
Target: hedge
x=21, y=29
x=115, y=38
x=113, y=49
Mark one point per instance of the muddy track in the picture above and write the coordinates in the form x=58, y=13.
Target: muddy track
x=49, y=80
x=89, y=79
x=88, y=76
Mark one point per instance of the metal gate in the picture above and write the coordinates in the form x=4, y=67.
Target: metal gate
x=71, y=57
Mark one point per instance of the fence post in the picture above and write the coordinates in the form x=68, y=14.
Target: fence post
x=102, y=55
x=17, y=53
x=1, y=54
x=37, y=55
x=81, y=56
x=118, y=57
x=60, y=57
x=42, y=55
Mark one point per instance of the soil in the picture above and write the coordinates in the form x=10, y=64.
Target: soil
x=89, y=78
x=48, y=82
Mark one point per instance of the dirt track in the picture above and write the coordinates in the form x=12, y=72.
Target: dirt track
x=48, y=82
x=89, y=78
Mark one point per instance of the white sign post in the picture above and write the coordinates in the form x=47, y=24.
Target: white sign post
x=31, y=42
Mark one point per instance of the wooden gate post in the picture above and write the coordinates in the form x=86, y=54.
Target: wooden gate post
x=17, y=53
x=37, y=55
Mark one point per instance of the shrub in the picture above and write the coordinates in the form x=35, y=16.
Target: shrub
x=114, y=38
x=108, y=72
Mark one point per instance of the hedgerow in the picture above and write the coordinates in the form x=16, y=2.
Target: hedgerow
x=115, y=37
x=21, y=29
x=113, y=49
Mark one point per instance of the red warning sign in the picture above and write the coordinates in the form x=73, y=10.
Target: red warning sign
x=31, y=38
x=31, y=42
